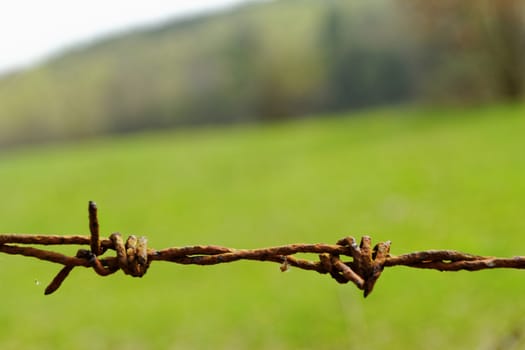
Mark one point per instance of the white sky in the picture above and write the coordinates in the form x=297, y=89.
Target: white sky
x=31, y=30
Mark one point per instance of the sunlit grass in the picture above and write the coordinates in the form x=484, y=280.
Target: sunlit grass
x=451, y=179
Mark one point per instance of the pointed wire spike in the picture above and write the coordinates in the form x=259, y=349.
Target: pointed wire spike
x=57, y=281
x=94, y=228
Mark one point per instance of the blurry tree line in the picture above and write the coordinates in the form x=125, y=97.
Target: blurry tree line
x=267, y=61
x=474, y=51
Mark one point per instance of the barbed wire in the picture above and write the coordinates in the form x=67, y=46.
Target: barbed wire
x=133, y=257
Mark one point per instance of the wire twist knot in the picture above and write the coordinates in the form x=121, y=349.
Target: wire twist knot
x=366, y=267
x=133, y=256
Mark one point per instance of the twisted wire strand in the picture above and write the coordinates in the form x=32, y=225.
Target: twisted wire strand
x=133, y=256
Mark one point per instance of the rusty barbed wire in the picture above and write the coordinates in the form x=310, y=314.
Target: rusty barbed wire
x=133, y=257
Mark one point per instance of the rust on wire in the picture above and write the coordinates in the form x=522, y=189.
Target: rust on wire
x=133, y=256
x=94, y=228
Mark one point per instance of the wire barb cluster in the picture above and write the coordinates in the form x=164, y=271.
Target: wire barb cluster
x=133, y=257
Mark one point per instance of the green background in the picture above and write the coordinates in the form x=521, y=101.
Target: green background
x=451, y=180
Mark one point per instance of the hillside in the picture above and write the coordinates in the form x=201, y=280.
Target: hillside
x=192, y=71
x=267, y=61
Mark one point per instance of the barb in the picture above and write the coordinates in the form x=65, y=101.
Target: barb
x=133, y=257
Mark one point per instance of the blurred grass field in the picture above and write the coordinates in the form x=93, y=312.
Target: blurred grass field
x=453, y=179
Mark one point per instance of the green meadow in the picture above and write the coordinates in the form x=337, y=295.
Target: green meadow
x=425, y=179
